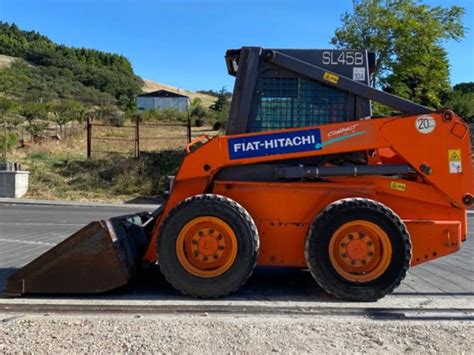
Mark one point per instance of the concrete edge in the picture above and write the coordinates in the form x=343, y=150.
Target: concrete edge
x=16, y=201
x=390, y=301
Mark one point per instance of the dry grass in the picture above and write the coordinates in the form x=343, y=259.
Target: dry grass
x=152, y=138
x=6, y=61
x=60, y=169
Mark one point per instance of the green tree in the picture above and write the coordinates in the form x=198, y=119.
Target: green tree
x=464, y=88
x=461, y=100
x=34, y=111
x=222, y=103
x=111, y=115
x=64, y=72
x=220, y=109
x=6, y=106
x=36, y=114
x=8, y=123
x=407, y=37
x=196, y=109
x=67, y=111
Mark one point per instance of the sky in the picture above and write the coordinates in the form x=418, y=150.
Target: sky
x=183, y=42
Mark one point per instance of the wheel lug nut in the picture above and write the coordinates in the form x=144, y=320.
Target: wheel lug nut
x=204, y=258
x=369, y=243
x=353, y=262
x=211, y=231
x=215, y=256
x=344, y=245
x=200, y=233
x=194, y=242
x=363, y=262
x=370, y=253
x=196, y=253
x=219, y=237
x=344, y=255
x=220, y=247
x=351, y=236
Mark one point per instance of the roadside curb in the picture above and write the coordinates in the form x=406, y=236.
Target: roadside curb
x=16, y=201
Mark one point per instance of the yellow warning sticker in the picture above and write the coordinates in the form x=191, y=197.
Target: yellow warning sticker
x=454, y=157
x=454, y=154
x=399, y=186
x=332, y=78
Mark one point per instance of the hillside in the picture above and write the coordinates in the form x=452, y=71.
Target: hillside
x=58, y=71
x=6, y=61
x=32, y=67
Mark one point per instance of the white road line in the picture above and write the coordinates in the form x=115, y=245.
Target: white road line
x=25, y=242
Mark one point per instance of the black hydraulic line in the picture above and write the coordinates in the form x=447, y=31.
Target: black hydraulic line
x=327, y=77
x=314, y=172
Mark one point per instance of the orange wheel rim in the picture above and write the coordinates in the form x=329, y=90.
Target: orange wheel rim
x=360, y=251
x=206, y=247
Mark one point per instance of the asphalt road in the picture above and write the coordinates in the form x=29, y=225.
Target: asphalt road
x=27, y=231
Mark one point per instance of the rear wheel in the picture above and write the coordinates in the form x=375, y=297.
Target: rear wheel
x=208, y=246
x=358, y=249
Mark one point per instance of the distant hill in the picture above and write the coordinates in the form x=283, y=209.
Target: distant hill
x=32, y=67
x=50, y=70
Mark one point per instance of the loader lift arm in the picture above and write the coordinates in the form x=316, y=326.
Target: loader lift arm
x=322, y=75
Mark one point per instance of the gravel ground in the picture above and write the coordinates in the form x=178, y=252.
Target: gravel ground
x=229, y=334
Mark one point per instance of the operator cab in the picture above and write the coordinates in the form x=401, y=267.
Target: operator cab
x=268, y=96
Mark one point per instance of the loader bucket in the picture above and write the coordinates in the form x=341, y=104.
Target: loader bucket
x=100, y=257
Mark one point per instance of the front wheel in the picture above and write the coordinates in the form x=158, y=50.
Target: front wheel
x=208, y=246
x=358, y=249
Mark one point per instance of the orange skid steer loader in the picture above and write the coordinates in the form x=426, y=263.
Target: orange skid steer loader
x=304, y=177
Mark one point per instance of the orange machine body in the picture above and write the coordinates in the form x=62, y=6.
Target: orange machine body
x=431, y=203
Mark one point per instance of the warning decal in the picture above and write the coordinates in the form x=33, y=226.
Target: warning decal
x=400, y=186
x=454, y=157
x=332, y=78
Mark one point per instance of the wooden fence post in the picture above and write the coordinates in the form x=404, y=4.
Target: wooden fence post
x=89, y=137
x=137, y=136
x=189, y=129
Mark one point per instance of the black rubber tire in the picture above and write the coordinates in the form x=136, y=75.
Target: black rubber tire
x=247, y=242
x=321, y=232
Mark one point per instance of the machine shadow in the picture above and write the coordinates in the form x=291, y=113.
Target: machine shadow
x=265, y=284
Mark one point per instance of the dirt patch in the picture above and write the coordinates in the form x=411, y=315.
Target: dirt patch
x=230, y=334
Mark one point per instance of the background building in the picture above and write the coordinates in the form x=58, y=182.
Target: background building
x=162, y=99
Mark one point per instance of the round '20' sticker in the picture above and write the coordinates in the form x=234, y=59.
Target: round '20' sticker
x=425, y=124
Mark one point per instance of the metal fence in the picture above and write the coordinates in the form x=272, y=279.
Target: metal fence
x=138, y=137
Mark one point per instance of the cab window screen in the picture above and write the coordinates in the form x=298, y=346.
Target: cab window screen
x=295, y=102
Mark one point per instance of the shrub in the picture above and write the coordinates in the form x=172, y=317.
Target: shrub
x=199, y=122
x=197, y=111
x=36, y=128
x=217, y=126
x=8, y=140
x=168, y=115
